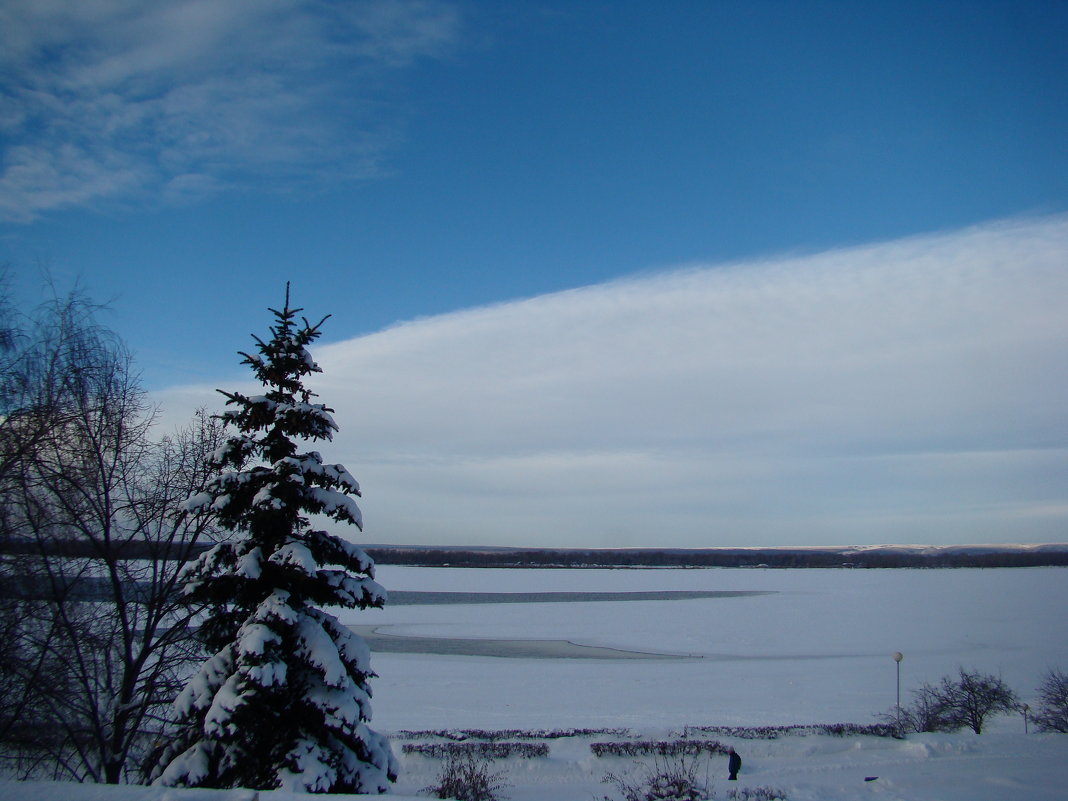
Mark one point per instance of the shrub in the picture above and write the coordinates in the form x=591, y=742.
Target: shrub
x=758, y=794
x=855, y=729
x=467, y=777
x=490, y=750
x=658, y=747
x=506, y=734
x=1052, y=715
x=669, y=778
x=887, y=729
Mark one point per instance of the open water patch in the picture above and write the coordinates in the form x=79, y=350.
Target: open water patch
x=380, y=642
x=413, y=598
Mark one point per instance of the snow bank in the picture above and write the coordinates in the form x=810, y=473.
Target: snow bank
x=67, y=791
x=957, y=767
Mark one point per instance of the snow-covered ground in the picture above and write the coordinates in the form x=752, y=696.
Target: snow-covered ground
x=817, y=648
x=999, y=766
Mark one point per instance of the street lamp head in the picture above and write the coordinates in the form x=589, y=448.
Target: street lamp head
x=898, y=656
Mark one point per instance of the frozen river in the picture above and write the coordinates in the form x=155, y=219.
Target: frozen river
x=555, y=649
x=757, y=646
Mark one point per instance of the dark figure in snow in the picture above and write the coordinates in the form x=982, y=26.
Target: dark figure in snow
x=734, y=764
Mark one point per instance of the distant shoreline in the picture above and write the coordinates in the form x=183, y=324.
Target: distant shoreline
x=878, y=556
x=864, y=556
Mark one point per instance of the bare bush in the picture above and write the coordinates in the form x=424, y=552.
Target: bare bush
x=467, y=777
x=669, y=778
x=762, y=793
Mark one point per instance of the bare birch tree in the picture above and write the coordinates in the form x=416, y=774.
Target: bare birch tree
x=94, y=539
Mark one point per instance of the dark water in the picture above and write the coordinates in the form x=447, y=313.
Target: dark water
x=380, y=641
x=411, y=598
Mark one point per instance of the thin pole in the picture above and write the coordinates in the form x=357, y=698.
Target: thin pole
x=898, y=656
x=899, y=692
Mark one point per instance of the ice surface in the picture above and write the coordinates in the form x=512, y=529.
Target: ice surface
x=818, y=648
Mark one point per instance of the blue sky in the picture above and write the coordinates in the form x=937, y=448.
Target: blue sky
x=437, y=169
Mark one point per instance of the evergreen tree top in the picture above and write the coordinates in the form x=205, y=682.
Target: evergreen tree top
x=284, y=359
x=286, y=409
x=264, y=483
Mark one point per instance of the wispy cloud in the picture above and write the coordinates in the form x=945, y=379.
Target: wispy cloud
x=912, y=390
x=121, y=100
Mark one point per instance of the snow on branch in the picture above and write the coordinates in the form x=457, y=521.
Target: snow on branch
x=352, y=647
x=311, y=464
x=352, y=591
x=219, y=720
x=250, y=565
x=317, y=647
x=336, y=505
x=198, y=693
x=298, y=555
x=254, y=638
x=197, y=502
x=342, y=707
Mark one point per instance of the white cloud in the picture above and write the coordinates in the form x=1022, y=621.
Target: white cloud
x=229, y=90
x=908, y=391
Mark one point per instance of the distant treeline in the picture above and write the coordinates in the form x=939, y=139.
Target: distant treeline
x=446, y=556
x=716, y=557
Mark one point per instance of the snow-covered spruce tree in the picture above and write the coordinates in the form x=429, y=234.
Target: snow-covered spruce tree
x=284, y=701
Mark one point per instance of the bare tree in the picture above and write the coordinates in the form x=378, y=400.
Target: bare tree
x=966, y=700
x=95, y=537
x=929, y=712
x=977, y=696
x=1052, y=715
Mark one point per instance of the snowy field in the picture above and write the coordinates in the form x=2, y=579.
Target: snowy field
x=814, y=646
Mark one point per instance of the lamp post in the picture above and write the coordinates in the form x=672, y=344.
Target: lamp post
x=898, y=656
x=1025, y=709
